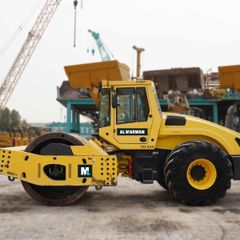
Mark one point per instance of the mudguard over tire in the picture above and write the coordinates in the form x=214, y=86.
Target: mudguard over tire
x=198, y=173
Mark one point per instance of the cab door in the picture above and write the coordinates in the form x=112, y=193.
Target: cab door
x=133, y=119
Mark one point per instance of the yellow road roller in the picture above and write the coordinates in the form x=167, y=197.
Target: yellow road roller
x=191, y=158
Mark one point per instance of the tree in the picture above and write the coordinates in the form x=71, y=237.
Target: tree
x=15, y=119
x=24, y=124
x=10, y=119
x=5, y=119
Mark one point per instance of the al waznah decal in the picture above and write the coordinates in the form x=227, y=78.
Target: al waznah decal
x=132, y=131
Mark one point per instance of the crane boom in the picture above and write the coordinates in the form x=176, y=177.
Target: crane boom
x=104, y=52
x=27, y=50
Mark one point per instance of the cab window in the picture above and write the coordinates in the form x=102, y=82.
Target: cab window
x=104, y=107
x=132, y=105
x=142, y=105
x=126, y=105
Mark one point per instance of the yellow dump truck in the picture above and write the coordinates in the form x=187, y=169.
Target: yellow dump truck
x=192, y=158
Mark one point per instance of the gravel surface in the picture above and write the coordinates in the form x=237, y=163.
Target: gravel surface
x=129, y=211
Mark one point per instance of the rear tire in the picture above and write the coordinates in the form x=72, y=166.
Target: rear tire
x=54, y=195
x=198, y=173
x=163, y=184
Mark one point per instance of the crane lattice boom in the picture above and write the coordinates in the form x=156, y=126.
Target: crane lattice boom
x=105, y=54
x=27, y=50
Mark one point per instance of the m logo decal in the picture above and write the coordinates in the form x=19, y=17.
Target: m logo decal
x=85, y=171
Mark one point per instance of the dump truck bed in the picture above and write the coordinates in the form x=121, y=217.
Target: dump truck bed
x=229, y=76
x=182, y=79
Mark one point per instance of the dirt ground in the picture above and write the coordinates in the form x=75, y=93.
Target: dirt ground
x=129, y=211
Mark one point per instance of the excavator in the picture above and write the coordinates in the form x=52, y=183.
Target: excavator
x=194, y=159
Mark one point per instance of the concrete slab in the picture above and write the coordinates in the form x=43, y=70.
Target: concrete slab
x=129, y=211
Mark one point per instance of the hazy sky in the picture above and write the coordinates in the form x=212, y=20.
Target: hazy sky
x=175, y=33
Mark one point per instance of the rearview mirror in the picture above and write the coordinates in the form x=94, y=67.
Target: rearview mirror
x=114, y=101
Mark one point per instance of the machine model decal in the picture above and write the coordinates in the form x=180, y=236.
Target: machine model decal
x=85, y=171
x=132, y=131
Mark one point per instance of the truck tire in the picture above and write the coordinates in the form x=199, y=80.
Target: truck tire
x=54, y=195
x=198, y=173
x=163, y=184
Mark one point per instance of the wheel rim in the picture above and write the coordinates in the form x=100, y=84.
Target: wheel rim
x=201, y=174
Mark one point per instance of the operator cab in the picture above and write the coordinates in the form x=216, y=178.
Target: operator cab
x=129, y=114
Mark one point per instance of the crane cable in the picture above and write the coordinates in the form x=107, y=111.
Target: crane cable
x=19, y=29
x=75, y=3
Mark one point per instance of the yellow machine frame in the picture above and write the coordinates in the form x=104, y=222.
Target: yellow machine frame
x=30, y=167
x=145, y=151
x=162, y=135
